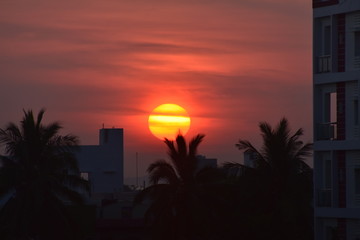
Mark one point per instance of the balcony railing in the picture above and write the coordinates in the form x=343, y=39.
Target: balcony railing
x=324, y=198
x=323, y=3
x=327, y=131
x=324, y=64
x=357, y=62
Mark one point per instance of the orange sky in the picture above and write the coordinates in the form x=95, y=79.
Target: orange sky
x=229, y=63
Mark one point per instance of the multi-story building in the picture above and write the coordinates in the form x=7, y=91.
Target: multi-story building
x=336, y=76
x=103, y=164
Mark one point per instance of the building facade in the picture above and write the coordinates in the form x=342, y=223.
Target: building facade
x=204, y=162
x=336, y=76
x=103, y=164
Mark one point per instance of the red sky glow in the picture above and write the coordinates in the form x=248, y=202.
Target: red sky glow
x=229, y=63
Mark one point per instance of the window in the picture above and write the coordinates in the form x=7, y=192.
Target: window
x=85, y=176
x=327, y=40
x=357, y=43
x=328, y=125
x=356, y=112
x=323, y=45
x=330, y=233
x=327, y=174
x=357, y=180
x=330, y=108
x=333, y=107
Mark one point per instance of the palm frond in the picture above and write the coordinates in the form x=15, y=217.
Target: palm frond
x=39, y=118
x=181, y=146
x=34, y=170
x=10, y=137
x=234, y=169
x=281, y=150
x=177, y=161
x=162, y=170
x=232, y=165
x=282, y=129
x=172, y=152
x=67, y=143
x=66, y=193
x=74, y=182
x=194, y=144
x=298, y=134
x=246, y=145
x=304, y=151
x=68, y=161
x=50, y=131
x=265, y=129
x=28, y=126
x=260, y=159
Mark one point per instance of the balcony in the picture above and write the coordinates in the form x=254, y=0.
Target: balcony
x=327, y=131
x=324, y=197
x=357, y=62
x=324, y=3
x=324, y=64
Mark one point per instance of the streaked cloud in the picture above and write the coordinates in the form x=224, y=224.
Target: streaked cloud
x=230, y=63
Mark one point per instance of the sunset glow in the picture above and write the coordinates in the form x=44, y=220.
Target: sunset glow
x=167, y=120
x=230, y=64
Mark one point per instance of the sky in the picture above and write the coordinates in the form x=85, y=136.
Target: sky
x=231, y=64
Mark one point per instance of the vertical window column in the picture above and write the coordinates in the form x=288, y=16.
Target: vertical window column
x=341, y=43
x=341, y=172
x=341, y=98
x=324, y=60
x=357, y=180
x=356, y=186
x=357, y=49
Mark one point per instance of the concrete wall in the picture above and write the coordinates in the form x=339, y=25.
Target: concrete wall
x=103, y=164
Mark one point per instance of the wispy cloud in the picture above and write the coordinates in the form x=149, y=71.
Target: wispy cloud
x=230, y=63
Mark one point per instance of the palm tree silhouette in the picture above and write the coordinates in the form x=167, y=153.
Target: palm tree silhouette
x=38, y=174
x=280, y=182
x=282, y=153
x=175, y=193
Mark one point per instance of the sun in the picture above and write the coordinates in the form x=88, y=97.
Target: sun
x=168, y=120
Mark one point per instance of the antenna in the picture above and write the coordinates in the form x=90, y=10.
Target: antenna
x=137, y=171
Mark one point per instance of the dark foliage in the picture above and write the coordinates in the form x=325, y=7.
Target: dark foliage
x=274, y=199
x=180, y=198
x=37, y=176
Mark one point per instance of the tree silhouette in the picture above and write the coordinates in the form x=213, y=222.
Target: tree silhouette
x=37, y=176
x=280, y=185
x=282, y=154
x=176, y=193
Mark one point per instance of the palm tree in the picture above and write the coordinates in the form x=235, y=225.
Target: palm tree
x=38, y=174
x=281, y=182
x=175, y=193
x=282, y=153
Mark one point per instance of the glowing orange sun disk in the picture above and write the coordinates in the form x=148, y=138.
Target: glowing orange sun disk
x=167, y=120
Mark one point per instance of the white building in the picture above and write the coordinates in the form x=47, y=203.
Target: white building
x=103, y=164
x=336, y=76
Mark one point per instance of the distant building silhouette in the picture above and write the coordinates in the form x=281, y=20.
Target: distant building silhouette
x=249, y=159
x=204, y=162
x=103, y=164
x=336, y=76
